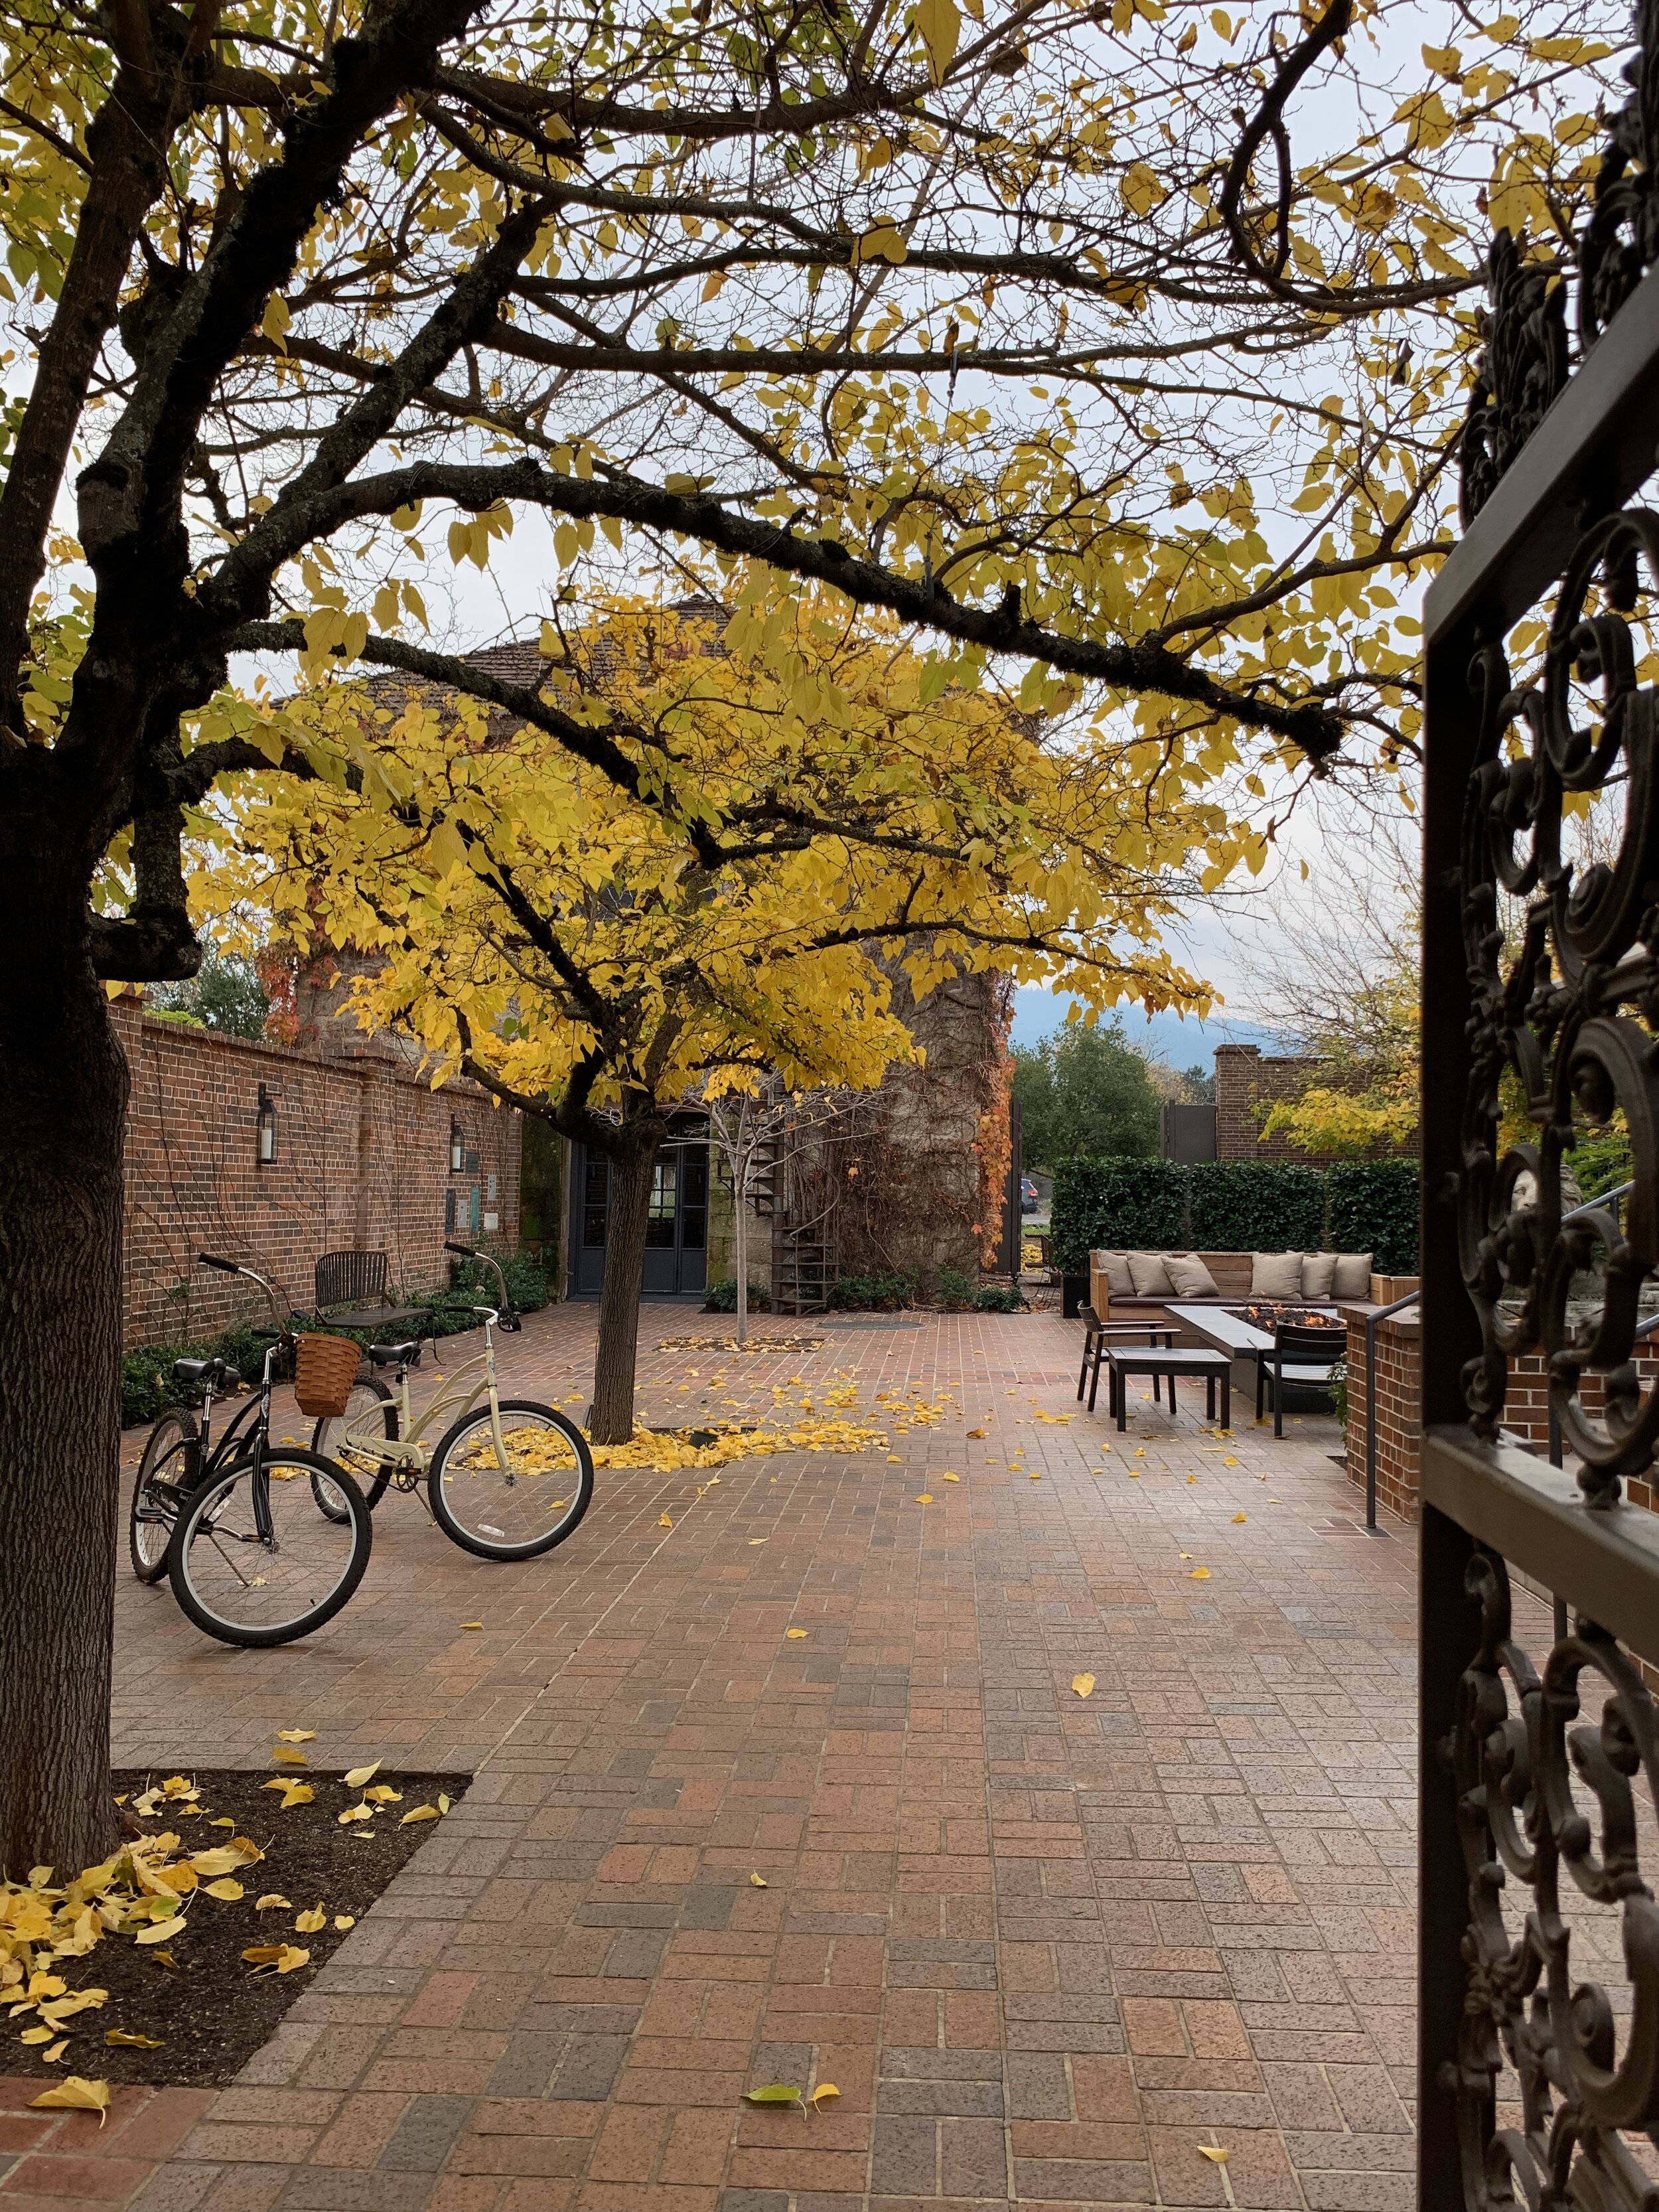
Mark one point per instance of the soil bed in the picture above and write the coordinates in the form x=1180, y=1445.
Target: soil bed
x=211, y=2010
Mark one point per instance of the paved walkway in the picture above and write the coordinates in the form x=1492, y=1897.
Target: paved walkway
x=1047, y=1949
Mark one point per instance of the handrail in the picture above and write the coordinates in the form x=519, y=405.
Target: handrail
x=1372, y=1319
x=1620, y=1190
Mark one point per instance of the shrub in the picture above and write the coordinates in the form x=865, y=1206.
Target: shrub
x=1373, y=1208
x=1137, y=1205
x=1601, y=1164
x=527, y=1282
x=148, y=1388
x=722, y=1297
x=997, y=1297
x=1258, y=1205
x=882, y=1293
x=953, y=1290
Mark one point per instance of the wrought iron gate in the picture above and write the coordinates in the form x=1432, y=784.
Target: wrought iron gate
x=1530, y=1772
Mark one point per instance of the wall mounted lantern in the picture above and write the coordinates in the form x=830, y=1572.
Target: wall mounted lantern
x=457, y=1147
x=265, y=1129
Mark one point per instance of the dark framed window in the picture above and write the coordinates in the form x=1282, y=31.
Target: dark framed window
x=694, y=1199
x=664, y=1186
x=596, y=1204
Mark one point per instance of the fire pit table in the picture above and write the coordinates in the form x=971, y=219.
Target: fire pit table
x=1244, y=1339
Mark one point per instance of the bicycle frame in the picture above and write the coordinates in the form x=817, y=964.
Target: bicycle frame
x=408, y=1452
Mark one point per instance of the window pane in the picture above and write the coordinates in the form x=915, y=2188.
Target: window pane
x=659, y=1227
x=691, y=1227
x=694, y=1173
x=596, y=1204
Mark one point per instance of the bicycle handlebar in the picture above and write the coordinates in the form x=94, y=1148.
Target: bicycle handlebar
x=507, y=1316
x=235, y=1267
x=225, y=1267
x=466, y=1251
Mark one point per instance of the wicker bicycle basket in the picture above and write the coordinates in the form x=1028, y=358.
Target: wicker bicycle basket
x=325, y=1368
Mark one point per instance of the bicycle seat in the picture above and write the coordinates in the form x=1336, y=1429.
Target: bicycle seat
x=396, y=1355
x=210, y=1371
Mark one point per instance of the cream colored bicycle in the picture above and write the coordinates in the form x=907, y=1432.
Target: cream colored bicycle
x=508, y=1478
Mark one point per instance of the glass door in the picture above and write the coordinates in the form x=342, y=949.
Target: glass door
x=675, y=1229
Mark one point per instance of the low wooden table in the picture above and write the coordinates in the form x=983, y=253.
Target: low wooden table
x=1122, y=1360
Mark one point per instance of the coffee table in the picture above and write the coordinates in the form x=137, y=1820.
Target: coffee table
x=1126, y=1359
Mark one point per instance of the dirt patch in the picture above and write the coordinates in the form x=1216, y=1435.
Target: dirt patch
x=730, y=1344
x=210, y=2010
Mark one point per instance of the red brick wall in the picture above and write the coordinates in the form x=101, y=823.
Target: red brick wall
x=363, y=1161
x=1399, y=1435
x=1245, y=1084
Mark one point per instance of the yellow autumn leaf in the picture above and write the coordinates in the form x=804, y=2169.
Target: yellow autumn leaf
x=307, y=1924
x=758, y=1881
x=344, y=1920
x=1084, y=1684
x=224, y=1858
x=120, y=2037
x=924, y=1498
x=1213, y=2151
x=1199, y=1574
x=296, y=1735
x=290, y=1758
x=226, y=1891
x=37, y=2035
x=1237, y=1517
x=472, y=1624
x=357, y=1776
x=354, y=1812
x=285, y=1958
x=273, y=1900
x=419, y=1813
x=939, y=24
x=159, y=1930
x=824, y=2089
x=794, y=1634
x=663, y=1522
x=74, y=2094
x=443, y=1802
x=383, y=1794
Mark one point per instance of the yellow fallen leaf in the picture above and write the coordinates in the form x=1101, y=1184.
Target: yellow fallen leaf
x=824, y=2089
x=1140, y=1451
x=1213, y=2151
x=272, y=1899
x=944, y=1477
x=221, y=1824
x=471, y=1624
x=774, y=2093
x=223, y=1860
x=753, y=1541
x=420, y=1812
x=1034, y=1474
x=1237, y=1517
x=307, y=1924
x=924, y=1498
x=296, y=1735
x=56, y=2052
x=976, y=1432
x=759, y=1880
x=1134, y=1474
x=1083, y=1684
x=118, y=2035
x=1199, y=1574
x=358, y=1775
x=226, y=1891
x=893, y=1460
x=164, y=1958
x=56, y=2014
x=284, y=1957
x=37, y=2034
x=794, y=1634
x=344, y=1920
x=291, y=1757
x=355, y=1813
x=74, y=2094
x=1230, y=1463
x=443, y=1802
x=158, y=1930
x=663, y=1521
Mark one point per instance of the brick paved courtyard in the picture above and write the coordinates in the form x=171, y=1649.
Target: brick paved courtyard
x=1047, y=1949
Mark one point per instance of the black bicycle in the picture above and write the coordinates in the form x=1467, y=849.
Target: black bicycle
x=234, y=1525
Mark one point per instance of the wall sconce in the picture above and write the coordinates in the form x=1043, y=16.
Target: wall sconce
x=265, y=1129
x=457, y=1147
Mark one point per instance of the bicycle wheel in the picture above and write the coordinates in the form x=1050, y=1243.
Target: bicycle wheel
x=524, y=1508
x=172, y=1461
x=329, y=1439
x=246, y=1589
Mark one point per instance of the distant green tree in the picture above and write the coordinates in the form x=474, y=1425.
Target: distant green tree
x=1198, y=1086
x=223, y=995
x=1084, y=1091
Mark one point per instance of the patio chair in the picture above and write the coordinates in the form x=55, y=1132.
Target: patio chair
x=1097, y=1334
x=1301, y=1358
x=349, y=1278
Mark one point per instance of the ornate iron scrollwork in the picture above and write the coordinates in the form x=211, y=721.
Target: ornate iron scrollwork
x=1621, y=239
x=1539, y=1797
x=1569, y=1007
x=1523, y=367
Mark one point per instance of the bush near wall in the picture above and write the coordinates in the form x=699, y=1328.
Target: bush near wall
x=1116, y=1205
x=1373, y=1208
x=1257, y=1205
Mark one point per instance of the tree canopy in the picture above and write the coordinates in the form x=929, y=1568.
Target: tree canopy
x=1084, y=1091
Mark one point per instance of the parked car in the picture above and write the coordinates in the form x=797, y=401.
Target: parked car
x=1028, y=1201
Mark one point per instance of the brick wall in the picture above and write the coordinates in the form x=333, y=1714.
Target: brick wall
x=363, y=1161
x=1245, y=1084
x=1399, y=1435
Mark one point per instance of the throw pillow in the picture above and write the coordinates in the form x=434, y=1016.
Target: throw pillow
x=1150, y=1275
x=1318, y=1273
x=1115, y=1265
x=1189, y=1276
x=1276, y=1275
x=1353, y=1275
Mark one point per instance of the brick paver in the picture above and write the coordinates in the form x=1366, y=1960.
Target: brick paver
x=1046, y=1948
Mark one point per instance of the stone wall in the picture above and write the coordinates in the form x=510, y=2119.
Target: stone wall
x=362, y=1161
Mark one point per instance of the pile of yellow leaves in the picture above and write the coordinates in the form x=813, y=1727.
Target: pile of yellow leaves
x=670, y=1449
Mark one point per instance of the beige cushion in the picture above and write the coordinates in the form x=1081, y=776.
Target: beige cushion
x=1115, y=1265
x=1276, y=1275
x=1352, y=1278
x=1318, y=1270
x=1189, y=1278
x=1150, y=1275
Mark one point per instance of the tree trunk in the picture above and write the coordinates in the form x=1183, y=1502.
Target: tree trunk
x=740, y=1245
x=63, y=1105
x=610, y=1416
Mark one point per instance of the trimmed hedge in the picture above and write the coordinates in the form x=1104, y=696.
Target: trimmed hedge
x=1374, y=1209
x=1116, y=1204
x=1236, y=1206
x=1256, y=1205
